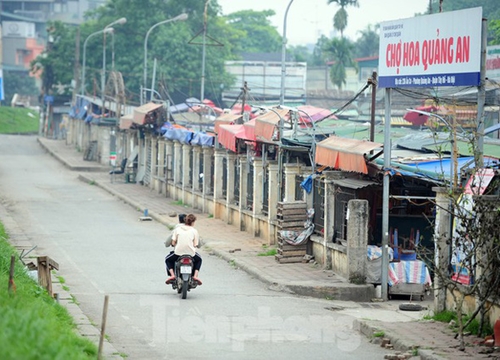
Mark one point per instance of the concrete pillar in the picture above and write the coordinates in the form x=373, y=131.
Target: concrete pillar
x=218, y=173
x=291, y=171
x=273, y=174
x=207, y=167
x=196, y=168
x=207, y=177
x=169, y=160
x=177, y=163
x=441, y=248
x=161, y=166
x=258, y=177
x=186, y=153
x=243, y=191
x=258, y=180
x=357, y=240
x=154, y=162
x=272, y=171
x=231, y=163
x=230, y=173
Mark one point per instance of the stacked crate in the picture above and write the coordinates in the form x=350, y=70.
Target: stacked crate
x=291, y=216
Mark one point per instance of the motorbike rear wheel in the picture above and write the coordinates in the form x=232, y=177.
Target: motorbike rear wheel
x=184, y=288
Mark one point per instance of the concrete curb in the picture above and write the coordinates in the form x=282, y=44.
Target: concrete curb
x=399, y=344
x=89, y=168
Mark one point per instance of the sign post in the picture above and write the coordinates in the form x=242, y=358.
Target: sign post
x=425, y=51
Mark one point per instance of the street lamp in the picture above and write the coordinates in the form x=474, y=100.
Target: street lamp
x=453, y=141
x=283, y=57
x=107, y=30
x=120, y=21
x=180, y=17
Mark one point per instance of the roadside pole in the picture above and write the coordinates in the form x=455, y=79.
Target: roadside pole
x=385, y=200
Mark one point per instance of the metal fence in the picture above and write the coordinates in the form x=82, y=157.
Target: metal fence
x=319, y=206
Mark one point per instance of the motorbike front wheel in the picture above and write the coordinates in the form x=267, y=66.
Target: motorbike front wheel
x=184, y=288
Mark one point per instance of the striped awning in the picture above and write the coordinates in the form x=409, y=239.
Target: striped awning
x=267, y=124
x=344, y=154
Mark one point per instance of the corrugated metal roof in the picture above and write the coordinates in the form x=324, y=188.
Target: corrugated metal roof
x=354, y=183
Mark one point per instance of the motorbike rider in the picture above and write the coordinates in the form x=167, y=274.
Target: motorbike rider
x=168, y=240
x=185, y=239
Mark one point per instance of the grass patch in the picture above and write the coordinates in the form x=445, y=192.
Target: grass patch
x=379, y=334
x=15, y=120
x=32, y=322
x=210, y=216
x=447, y=316
x=178, y=202
x=270, y=252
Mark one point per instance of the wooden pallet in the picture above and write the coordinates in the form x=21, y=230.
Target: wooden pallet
x=288, y=259
x=287, y=225
x=287, y=247
x=291, y=216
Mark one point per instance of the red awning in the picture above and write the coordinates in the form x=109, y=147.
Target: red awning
x=266, y=124
x=141, y=112
x=126, y=121
x=225, y=119
x=308, y=113
x=250, y=129
x=228, y=135
x=344, y=154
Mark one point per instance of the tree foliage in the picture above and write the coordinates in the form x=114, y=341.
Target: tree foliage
x=340, y=53
x=257, y=33
x=18, y=82
x=368, y=42
x=341, y=16
x=56, y=63
x=176, y=46
x=491, y=11
x=319, y=57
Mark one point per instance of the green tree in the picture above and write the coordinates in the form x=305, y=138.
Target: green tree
x=18, y=82
x=368, y=42
x=176, y=46
x=56, y=63
x=299, y=53
x=318, y=56
x=491, y=11
x=257, y=33
x=495, y=32
x=340, y=17
x=340, y=52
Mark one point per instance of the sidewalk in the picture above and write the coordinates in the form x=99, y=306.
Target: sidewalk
x=241, y=249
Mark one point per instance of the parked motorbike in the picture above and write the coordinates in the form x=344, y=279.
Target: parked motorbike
x=184, y=275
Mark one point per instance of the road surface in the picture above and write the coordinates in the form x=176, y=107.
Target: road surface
x=102, y=249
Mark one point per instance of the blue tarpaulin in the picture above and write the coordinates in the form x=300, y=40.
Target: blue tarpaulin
x=203, y=139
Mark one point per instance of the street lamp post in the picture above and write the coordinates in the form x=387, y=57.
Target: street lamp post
x=107, y=30
x=120, y=21
x=180, y=17
x=283, y=57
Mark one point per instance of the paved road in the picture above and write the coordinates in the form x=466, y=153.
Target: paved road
x=102, y=248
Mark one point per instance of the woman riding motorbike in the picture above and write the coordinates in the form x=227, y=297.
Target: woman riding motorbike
x=185, y=239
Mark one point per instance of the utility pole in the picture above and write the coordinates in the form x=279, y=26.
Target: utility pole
x=481, y=99
x=244, y=90
x=373, y=82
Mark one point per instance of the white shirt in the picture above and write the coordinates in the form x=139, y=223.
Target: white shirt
x=187, y=239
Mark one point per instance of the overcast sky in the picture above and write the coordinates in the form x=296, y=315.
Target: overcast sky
x=307, y=20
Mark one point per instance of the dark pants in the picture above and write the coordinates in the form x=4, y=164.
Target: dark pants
x=171, y=258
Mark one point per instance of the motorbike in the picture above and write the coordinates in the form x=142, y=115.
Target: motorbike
x=184, y=275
